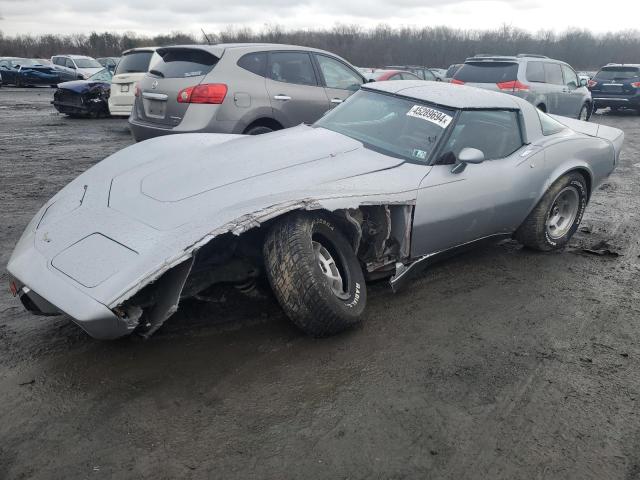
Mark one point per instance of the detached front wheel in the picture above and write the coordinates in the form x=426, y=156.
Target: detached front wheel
x=315, y=274
x=557, y=216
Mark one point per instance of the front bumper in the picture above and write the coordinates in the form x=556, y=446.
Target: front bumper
x=44, y=292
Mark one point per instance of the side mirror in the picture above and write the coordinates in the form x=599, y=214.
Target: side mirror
x=466, y=156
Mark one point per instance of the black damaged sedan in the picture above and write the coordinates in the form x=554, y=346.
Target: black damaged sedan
x=85, y=98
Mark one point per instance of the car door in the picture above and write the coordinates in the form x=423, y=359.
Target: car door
x=573, y=92
x=484, y=199
x=554, y=88
x=339, y=79
x=294, y=89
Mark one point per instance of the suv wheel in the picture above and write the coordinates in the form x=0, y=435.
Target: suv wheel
x=258, y=130
x=584, y=113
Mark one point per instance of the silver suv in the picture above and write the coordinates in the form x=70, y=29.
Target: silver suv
x=551, y=85
x=238, y=88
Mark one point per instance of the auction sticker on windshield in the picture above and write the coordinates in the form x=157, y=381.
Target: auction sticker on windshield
x=430, y=115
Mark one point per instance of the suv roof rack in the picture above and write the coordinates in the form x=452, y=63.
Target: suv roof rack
x=533, y=55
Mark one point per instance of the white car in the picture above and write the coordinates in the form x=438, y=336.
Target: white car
x=76, y=66
x=131, y=68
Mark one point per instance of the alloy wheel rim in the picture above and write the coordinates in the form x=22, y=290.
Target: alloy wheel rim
x=329, y=269
x=563, y=212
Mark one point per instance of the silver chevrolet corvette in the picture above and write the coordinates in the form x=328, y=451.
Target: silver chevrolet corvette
x=400, y=174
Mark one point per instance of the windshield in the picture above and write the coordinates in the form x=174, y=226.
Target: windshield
x=135, y=62
x=394, y=126
x=618, y=73
x=87, y=63
x=487, y=72
x=103, y=75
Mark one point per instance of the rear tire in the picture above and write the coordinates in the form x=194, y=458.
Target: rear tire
x=584, y=113
x=258, y=130
x=557, y=216
x=315, y=274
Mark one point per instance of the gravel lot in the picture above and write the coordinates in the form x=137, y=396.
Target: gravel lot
x=501, y=363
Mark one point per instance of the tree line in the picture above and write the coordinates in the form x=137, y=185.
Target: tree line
x=382, y=45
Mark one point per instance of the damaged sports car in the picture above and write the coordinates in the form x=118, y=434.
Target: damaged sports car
x=397, y=176
x=85, y=98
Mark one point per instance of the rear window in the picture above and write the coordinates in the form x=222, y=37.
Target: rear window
x=135, y=62
x=87, y=63
x=618, y=73
x=487, y=72
x=451, y=71
x=182, y=63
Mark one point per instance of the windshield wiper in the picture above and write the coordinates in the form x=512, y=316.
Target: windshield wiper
x=156, y=73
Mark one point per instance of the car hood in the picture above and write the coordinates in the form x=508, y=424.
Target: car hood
x=81, y=86
x=158, y=201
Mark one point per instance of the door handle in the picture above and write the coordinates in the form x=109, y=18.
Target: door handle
x=284, y=98
x=336, y=100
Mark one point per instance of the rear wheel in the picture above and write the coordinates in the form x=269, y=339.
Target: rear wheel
x=258, y=130
x=315, y=274
x=555, y=219
x=584, y=113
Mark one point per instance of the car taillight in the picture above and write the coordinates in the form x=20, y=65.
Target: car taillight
x=591, y=83
x=205, y=93
x=457, y=82
x=635, y=84
x=514, y=86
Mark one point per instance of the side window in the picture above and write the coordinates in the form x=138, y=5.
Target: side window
x=428, y=75
x=549, y=125
x=4, y=64
x=495, y=132
x=570, y=77
x=535, y=72
x=292, y=67
x=338, y=75
x=553, y=73
x=69, y=63
x=397, y=76
x=254, y=62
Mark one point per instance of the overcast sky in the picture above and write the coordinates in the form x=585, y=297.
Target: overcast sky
x=162, y=16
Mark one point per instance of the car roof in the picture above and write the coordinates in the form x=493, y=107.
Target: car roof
x=71, y=56
x=636, y=65
x=448, y=95
x=219, y=48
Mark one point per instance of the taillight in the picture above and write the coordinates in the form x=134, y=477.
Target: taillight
x=591, y=83
x=514, y=86
x=205, y=93
x=635, y=84
x=457, y=82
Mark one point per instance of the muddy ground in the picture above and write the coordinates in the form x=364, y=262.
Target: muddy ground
x=502, y=363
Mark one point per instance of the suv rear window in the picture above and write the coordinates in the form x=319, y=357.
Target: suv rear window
x=487, y=72
x=134, y=62
x=618, y=73
x=183, y=63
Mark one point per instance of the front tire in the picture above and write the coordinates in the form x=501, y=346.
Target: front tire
x=557, y=216
x=315, y=274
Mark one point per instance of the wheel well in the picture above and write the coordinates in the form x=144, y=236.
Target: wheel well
x=542, y=107
x=264, y=122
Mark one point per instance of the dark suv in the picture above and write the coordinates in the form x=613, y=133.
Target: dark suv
x=551, y=85
x=616, y=86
